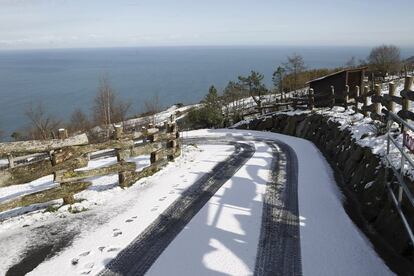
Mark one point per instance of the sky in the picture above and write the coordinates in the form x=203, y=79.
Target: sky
x=30, y=24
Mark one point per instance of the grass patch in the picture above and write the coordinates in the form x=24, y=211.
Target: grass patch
x=74, y=210
x=52, y=208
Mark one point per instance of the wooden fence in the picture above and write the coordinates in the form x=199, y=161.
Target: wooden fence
x=369, y=102
x=30, y=160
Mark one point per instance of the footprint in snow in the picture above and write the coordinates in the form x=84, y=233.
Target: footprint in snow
x=171, y=192
x=129, y=220
x=162, y=199
x=101, y=248
x=117, y=232
x=154, y=209
x=112, y=249
x=86, y=272
x=89, y=265
x=84, y=254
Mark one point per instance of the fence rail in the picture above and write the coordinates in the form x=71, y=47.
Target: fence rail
x=65, y=156
x=403, y=191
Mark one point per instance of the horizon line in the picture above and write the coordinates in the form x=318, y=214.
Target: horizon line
x=202, y=46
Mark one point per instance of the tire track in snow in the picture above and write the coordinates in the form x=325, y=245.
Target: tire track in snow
x=138, y=257
x=278, y=251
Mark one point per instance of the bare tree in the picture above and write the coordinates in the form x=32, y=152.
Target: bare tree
x=41, y=124
x=385, y=59
x=108, y=108
x=104, y=101
x=294, y=66
x=152, y=106
x=79, y=121
x=120, y=110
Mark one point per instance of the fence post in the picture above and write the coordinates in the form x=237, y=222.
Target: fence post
x=155, y=156
x=172, y=144
x=144, y=132
x=332, y=96
x=173, y=127
x=311, y=100
x=378, y=94
x=69, y=199
x=365, y=101
x=11, y=160
x=118, y=131
x=391, y=92
x=346, y=96
x=408, y=83
x=63, y=133
x=356, y=98
x=407, y=87
x=120, y=157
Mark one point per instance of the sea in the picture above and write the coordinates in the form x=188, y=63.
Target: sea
x=63, y=80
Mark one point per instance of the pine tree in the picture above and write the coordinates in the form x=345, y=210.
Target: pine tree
x=257, y=90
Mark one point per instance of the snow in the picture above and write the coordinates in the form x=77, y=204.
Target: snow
x=330, y=243
x=222, y=237
x=46, y=182
x=145, y=203
x=161, y=116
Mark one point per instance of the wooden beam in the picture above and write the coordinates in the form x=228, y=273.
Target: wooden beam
x=132, y=177
x=45, y=196
x=36, y=146
x=73, y=176
x=25, y=174
x=145, y=149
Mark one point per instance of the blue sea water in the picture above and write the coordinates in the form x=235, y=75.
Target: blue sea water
x=63, y=80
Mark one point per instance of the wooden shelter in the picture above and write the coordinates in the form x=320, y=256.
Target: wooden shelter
x=351, y=77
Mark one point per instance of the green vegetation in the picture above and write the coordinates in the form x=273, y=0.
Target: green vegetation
x=52, y=208
x=210, y=115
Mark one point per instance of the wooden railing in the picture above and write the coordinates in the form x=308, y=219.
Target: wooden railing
x=63, y=157
x=359, y=100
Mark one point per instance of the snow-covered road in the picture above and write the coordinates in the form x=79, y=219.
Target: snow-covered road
x=222, y=230
x=330, y=242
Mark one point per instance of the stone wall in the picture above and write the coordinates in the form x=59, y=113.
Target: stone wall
x=360, y=175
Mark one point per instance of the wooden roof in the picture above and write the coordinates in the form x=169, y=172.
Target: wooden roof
x=338, y=72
